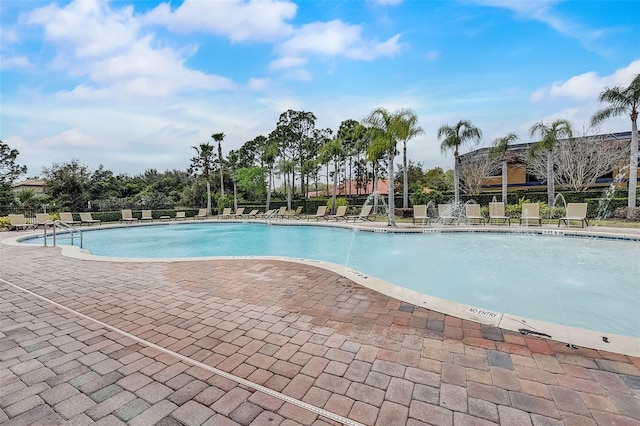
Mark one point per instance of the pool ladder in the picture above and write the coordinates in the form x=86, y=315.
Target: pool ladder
x=62, y=230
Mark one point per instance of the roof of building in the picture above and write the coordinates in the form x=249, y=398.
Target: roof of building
x=29, y=182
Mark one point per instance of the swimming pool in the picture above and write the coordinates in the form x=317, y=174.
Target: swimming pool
x=579, y=282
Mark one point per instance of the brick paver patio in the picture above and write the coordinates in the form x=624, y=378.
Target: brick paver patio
x=298, y=331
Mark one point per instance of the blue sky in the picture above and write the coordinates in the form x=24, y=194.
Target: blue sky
x=134, y=84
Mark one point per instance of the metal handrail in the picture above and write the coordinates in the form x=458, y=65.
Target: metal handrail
x=66, y=227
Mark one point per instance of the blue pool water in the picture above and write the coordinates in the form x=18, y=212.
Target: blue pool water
x=587, y=283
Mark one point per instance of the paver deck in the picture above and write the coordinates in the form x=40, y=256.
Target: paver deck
x=220, y=342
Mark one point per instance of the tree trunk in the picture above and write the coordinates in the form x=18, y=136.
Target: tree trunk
x=235, y=196
x=633, y=165
x=327, y=179
x=269, y=189
x=504, y=183
x=335, y=187
x=375, y=187
x=405, y=181
x=550, y=179
x=208, y=198
x=456, y=179
x=392, y=206
x=221, y=175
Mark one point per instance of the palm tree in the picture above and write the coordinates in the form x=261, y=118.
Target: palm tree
x=549, y=137
x=452, y=138
x=333, y=151
x=407, y=128
x=623, y=101
x=219, y=137
x=233, y=159
x=203, y=162
x=385, y=127
x=268, y=157
x=499, y=150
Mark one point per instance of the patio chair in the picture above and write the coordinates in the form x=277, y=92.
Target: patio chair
x=341, y=211
x=41, y=220
x=321, y=213
x=297, y=214
x=576, y=212
x=67, y=217
x=280, y=213
x=530, y=213
x=239, y=213
x=252, y=214
x=127, y=217
x=146, y=215
x=18, y=222
x=268, y=214
x=496, y=213
x=366, y=213
x=181, y=216
x=226, y=213
x=420, y=214
x=472, y=213
x=202, y=214
x=86, y=217
x=445, y=212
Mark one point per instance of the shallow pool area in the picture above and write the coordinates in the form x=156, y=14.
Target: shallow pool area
x=577, y=282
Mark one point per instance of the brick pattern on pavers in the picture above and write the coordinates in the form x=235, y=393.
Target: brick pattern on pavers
x=296, y=329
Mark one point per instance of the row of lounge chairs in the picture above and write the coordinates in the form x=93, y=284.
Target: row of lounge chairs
x=530, y=214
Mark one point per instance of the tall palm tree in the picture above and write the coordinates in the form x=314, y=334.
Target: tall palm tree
x=333, y=151
x=219, y=137
x=385, y=128
x=623, y=101
x=499, y=150
x=452, y=138
x=268, y=157
x=549, y=137
x=407, y=128
x=203, y=162
x=233, y=159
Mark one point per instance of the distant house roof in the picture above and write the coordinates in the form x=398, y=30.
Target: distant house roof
x=31, y=183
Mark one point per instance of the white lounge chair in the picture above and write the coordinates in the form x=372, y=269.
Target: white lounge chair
x=530, y=213
x=86, y=217
x=341, y=211
x=280, y=213
x=127, y=217
x=253, y=214
x=472, y=213
x=496, y=213
x=239, y=213
x=18, y=222
x=146, y=215
x=202, y=214
x=420, y=214
x=226, y=213
x=445, y=212
x=181, y=216
x=67, y=217
x=41, y=220
x=321, y=213
x=576, y=212
x=366, y=213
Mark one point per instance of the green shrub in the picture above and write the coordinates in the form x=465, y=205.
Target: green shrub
x=339, y=202
x=419, y=197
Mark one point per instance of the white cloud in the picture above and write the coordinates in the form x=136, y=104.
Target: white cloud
x=587, y=85
x=257, y=83
x=287, y=62
x=14, y=62
x=106, y=45
x=432, y=55
x=72, y=138
x=335, y=38
x=87, y=28
x=240, y=20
